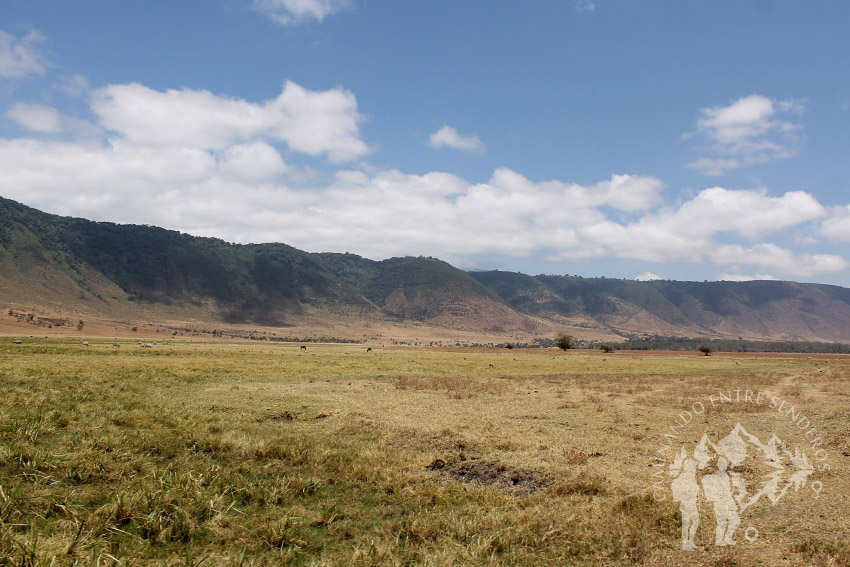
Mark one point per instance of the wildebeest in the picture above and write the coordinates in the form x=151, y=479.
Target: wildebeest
x=303, y=347
x=369, y=349
x=116, y=345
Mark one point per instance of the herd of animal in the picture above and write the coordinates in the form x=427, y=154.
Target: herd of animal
x=114, y=345
x=144, y=345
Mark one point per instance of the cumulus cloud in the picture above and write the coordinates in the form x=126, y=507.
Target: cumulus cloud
x=42, y=119
x=837, y=227
x=36, y=117
x=211, y=165
x=780, y=259
x=251, y=162
x=749, y=131
x=686, y=233
x=241, y=193
x=296, y=11
x=748, y=213
x=726, y=277
x=21, y=56
x=312, y=122
x=449, y=137
x=648, y=277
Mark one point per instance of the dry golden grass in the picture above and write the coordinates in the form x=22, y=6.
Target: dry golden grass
x=265, y=454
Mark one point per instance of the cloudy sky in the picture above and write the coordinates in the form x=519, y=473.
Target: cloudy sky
x=624, y=138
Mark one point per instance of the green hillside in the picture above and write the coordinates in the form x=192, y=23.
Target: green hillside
x=84, y=266
x=262, y=283
x=756, y=309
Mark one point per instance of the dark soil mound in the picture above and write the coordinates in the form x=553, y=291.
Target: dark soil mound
x=520, y=482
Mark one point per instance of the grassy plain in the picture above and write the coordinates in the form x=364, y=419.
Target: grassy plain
x=241, y=453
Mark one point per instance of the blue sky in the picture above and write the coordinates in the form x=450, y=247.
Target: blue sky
x=635, y=139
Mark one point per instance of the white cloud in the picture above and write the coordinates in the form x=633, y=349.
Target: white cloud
x=750, y=214
x=207, y=164
x=449, y=137
x=748, y=131
x=297, y=11
x=315, y=122
x=837, y=226
x=21, y=57
x=585, y=5
x=240, y=193
x=312, y=122
x=72, y=85
x=251, y=162
x=47, y=120
x=779, y=259
x=36, y=118
x=689, y=232
x=648, y=277
x=726, y=277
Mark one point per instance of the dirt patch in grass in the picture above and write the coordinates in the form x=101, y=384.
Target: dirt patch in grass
x=283, y=416
x=520, y=482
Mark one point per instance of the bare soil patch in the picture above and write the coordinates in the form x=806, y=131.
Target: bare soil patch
x=283, y=416
x=521, y=482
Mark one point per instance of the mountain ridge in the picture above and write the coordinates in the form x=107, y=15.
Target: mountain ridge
x=88, y=267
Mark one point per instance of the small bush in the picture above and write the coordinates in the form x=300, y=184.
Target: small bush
x=564, y=342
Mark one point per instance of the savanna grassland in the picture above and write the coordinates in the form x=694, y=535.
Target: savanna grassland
x=215, y=453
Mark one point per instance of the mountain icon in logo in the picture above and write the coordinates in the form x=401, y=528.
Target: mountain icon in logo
x=734, y=474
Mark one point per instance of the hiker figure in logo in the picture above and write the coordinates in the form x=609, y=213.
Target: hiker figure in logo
x=718, y=489
x=686, y=491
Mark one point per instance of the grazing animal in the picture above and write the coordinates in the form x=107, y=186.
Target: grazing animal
x=146, y=345
x=19, y=342
x=85, y=343
x=303, y=347
x=116, y=345
x=369, y=349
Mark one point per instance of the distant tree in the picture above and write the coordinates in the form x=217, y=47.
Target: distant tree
x=606, y=348
x=706, y=350
x=564, y=342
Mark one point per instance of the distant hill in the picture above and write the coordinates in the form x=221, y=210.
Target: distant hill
x=79, y=266
x=756, y=310
x=47, y=257
x=100, y=267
